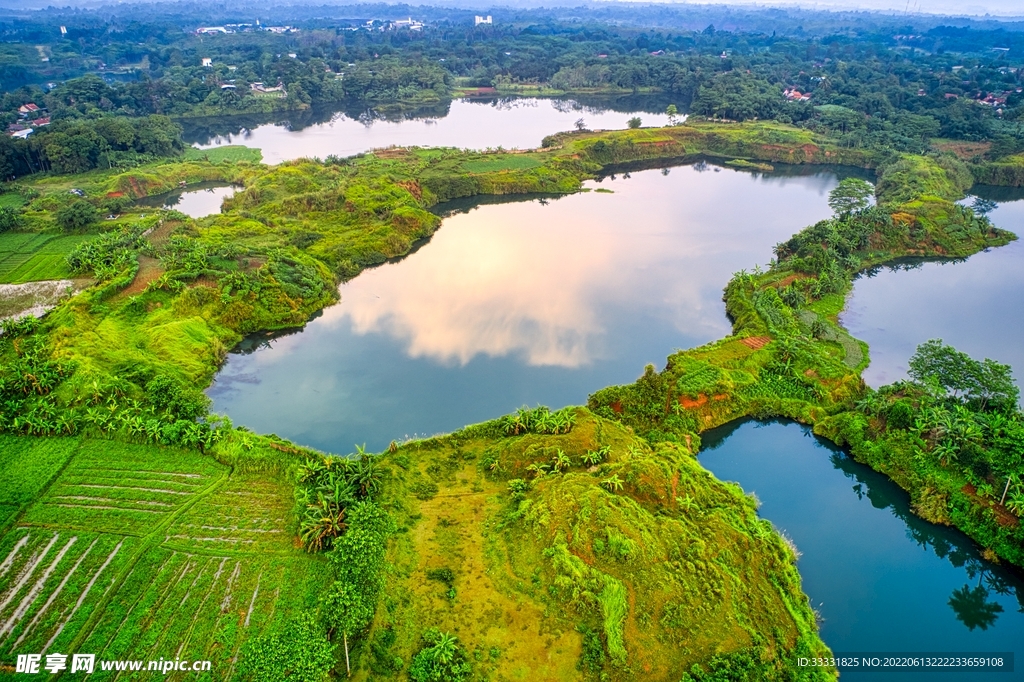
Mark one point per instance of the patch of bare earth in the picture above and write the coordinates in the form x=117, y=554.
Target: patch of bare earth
x=149, y=270
x=36, y=298
x=964, y=150
x=756, y=342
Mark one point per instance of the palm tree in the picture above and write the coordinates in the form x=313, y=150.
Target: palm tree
x=1016, y=503
x=946, y=451
x=367, y=475
x=538, y=469
x=972, y=608
x=322, y=523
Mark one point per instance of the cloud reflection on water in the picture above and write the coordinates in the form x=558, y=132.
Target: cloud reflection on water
x=540, y=282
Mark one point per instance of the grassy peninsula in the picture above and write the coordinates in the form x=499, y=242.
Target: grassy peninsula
x=586, y=543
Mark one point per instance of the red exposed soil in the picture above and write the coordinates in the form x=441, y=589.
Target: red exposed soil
x=413, y=187
x=149, y=270
x=1004, y=517
x=617, y=407
x=756, y=342
x=391, y=153
x=788, y=280
x=137, y=189
x=690, y=403
x=115, y=195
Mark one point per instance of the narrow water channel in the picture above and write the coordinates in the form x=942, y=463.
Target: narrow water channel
x=881, y=578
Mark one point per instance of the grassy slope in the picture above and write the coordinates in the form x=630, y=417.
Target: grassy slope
x=671, y=569
x=336, y=219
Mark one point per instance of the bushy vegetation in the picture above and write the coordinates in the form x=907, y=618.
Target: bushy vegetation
x=630, y=552
x=788, y=357
x=953, y=437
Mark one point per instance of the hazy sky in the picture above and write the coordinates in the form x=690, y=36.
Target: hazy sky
x=951, y=7
x=1002, y=8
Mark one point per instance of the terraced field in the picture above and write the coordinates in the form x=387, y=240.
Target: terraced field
x=141, y=552
x=30, y=257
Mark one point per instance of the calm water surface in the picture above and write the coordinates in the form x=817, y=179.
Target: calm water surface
x=881, y=578
x=471, y=124
x=540, y=301
x=974, y=305
x=198, y=200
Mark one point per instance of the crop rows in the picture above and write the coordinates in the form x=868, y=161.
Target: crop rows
x=141, y=552
x=110, y=487
x=176, y=604
x=50, y=582
x=246, y=515
x=34, y=257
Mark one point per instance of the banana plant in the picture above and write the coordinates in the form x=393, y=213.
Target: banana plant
x=561, y=461
x=612, y=484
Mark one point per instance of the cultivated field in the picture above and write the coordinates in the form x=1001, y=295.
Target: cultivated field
x=31, y=257
x=140, y=552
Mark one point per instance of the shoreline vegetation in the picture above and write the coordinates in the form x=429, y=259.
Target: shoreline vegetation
x=588, y=541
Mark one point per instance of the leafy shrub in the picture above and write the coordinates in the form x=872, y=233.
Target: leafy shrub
x=76, y=215
x=899, y=415
x=109, y=254
x=10, y=219
x=442, y=659
x=301, y=652
x=592, y=657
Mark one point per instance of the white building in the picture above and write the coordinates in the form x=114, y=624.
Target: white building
x=482, y=20
x=207, y=61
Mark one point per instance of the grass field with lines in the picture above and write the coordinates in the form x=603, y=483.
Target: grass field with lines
x=141, y=552
x=32, y=257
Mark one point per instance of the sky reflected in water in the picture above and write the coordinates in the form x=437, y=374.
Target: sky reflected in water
x=512, y=124
x=540, y=301
x=198, y=201
x=973, y=305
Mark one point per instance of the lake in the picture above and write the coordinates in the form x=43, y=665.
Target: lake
x=512, y=123
x=197, y=200
x=541, y=301
x=968, y=304
x=881, y=578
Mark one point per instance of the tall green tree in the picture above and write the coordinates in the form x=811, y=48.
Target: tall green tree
x=850, y=195
x=952, y=372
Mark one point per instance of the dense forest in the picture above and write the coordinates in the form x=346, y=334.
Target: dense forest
x=887, y=85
